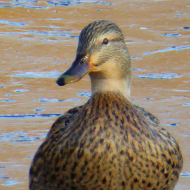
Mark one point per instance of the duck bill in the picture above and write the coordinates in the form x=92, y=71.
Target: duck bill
x=80, y=67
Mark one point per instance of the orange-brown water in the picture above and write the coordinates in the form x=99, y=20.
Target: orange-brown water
x=38, y=42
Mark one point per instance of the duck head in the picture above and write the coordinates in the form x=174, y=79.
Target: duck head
x=103, y=55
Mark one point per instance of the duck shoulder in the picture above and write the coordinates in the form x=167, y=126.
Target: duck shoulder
x=63, y=121
x=67, y=117
x=148, y=115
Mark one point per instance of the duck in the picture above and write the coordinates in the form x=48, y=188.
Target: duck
x=108, y=143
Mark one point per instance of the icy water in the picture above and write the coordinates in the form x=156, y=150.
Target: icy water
x=38, y=42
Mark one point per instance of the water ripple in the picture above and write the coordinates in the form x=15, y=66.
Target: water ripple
x=21, y=90
x=12, y=23
x=50, y=74
x=187, y=174
x=1, y=177
x=158, y=76
x=57, y=100
x=76, y=2
x=20, y=137
x=28, y=115
x=186, y=28
x=174, y=48
x=8, y=101
x=10, y=182
x=43, y=33
x=173, y=35
x=186, y=104
x=32, y=4
x=84, y=94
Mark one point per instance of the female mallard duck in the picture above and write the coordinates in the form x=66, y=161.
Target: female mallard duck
x=108, y=143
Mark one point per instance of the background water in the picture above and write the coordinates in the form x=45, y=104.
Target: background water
x=38, y=42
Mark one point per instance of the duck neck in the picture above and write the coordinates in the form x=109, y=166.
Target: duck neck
x=110, y=84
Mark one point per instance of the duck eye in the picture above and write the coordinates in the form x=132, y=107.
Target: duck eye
x=81, y=62
x=105, y=41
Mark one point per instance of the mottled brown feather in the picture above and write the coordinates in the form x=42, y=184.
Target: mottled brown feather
x=105, y=150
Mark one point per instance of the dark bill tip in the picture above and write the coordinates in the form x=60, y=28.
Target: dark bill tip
x=60, y=81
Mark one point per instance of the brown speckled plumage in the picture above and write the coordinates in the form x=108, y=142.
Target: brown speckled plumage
x=108, y=143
